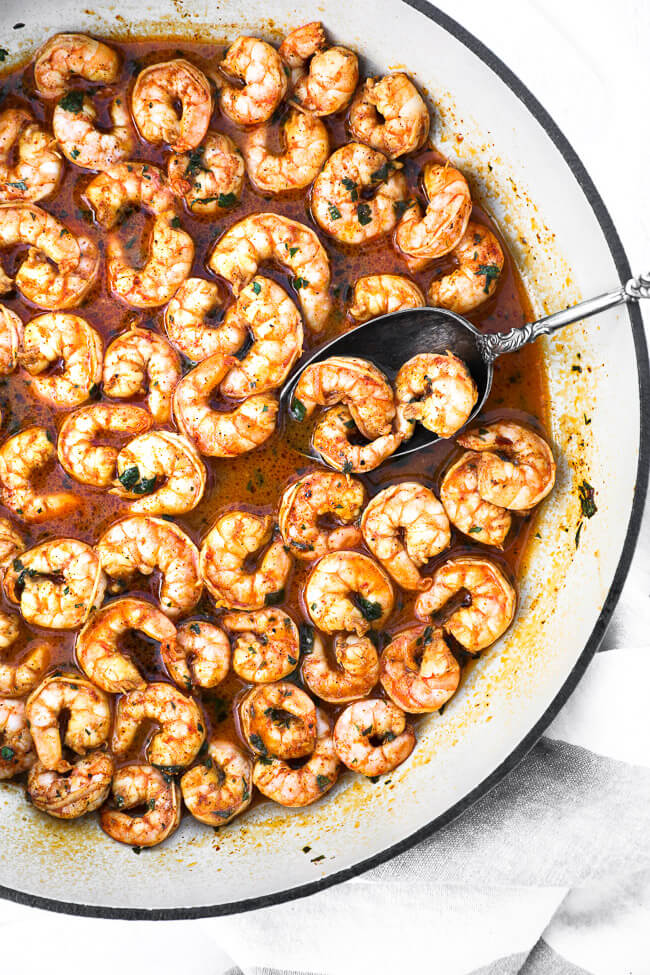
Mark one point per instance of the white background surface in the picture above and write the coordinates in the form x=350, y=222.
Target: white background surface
x=588, y=63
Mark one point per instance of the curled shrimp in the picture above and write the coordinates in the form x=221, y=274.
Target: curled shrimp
x=436, y=390
x=96, y=647
x=126, y=185
x=38, y=168
x=182, y=730
x=327, y=76
x=60, y=337
x=480, y=262
x=390, y=115
x=404, y=526
x=215, y=433
x=16, y=746
x=157, y=90
x=11, y=545
x=142, y=362
x=492, y=601
x=418, y=670
x=359, y=384
x=74, y=124
x=22, y=457
x=161, y=472
x=259, y=66
x=467, y=510
x=295, y=787
x=65, y=55
x=352, y=674
x=20, y=677
x=448, y=211
x=267, y=646
x=11, y=339
x=79, y=453
x=232, y=540
x=312, y=497
x=88, y=725
x=210, y=177
x=142, y=785
x=278, y=719
x=306, y=147
x=201, y=655
x=348, y=591
x=74, y=793
x=331, y=438
x=270, y=237
x=516, y=468
x=186, y=322
x=220, y=787
x=302, y=43
x=366, y=721
x=338, y=205
x=381, y=294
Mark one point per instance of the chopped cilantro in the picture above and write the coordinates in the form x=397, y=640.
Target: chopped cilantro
x=587, y=503
x=491, y=272
x=364, y=214
x=72, y=101
x=298, y=410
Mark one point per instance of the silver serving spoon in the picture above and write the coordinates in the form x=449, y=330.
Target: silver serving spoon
x=390, y=340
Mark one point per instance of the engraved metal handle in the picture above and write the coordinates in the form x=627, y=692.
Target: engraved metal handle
x=492, y=346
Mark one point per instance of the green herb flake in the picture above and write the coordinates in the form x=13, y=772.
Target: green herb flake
x=364, y=214
x=371, y=610
x=475, y=530
x=274, y=598
x=72, y=101
x=4, y=53
x=6, y=753
x=175, y=222
x=299, y=283
x=322, y=781
x=195, y=628
x=18, y=184
x=257, y=287
x=586, y=494
x=491, y=272
x=298, y=410
x=129, y=477
x=226, y=200
x=334, y=212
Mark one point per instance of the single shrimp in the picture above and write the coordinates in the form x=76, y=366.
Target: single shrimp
x=389, y=114
x=418, y=670
x=492, y=601
x=20, y=677
x=38, y=167
x=79, y=453
x=467, y=510
x=278, y=719
x=126, y=185
x=259, y=66
x=230, y=543
x=404, y=526
x=161, y=472
x=516, y=468
x=60, y=337
x=314, y=496
x=267, y=647
x=294, y=787
x=74, y=793
x=331, y=438
x=157, y=90
x=364, y=722
x=182, y=731
x=306, y=148
x=216, y=433
x=97, y=645
x=381, y=294
x=436, y=390
x=221, y=787
x=11, y=339
x=57, y=583
x=141, y=362
x=302, y=43
x=338, y=200
x=359, y=384
x=210, y=177
x=142, y=785
x=480, y=261
x=65, y=55
x=449, y=208
x=74, y=124
x=16, y=746
x=270, y=237
x=88, y=724
x=326, y=76
x=348, y=591
x=11, y=544
x=186, y=322
x=22, y=457
x=352, y=674
x=201, y=655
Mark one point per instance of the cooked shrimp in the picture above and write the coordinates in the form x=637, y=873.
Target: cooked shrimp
x=201, y=655
x=366, y=721
x=331, y=438
x=162, y=472
x=186, y=322
x=79, y=453
x=142, y=544
x=448, y=211
x=142, y=785
x=210, y=177
x=480, y=262
x=404, y=526
x=436, y=390
x=157, y=90
x=96, y=648
x=352, y=674
x=88, y=724
x=9, y=630
x=466, y=509
x=278, y=719
x=303, y=42
x=259, y=66
x=381, y=294
x=289, y=786
x=21, y=458
x=216, y=433
x=232, y=540
x=141, y=361
x=75, y=128
x=221, y=787
x=348, y=591
x=74, y=793
x=327, y=84
x=11, y=544
x=418, y=670
x=267, y=647
x=337, y=201
x=491, y=607
x=16, y=747
x=516, y=468
x=182, y=731
x=18, y=678
x=56, y=583
x=65, y=55
x=312, y=497
x=60, y=337
x=126, y=185
x=270, y=237
x=359, y=384
x=390, y=115
x=11, y=338
x=306, y=147
x=38, y=168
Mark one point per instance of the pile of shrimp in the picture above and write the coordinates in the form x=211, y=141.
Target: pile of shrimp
x=149, y=416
